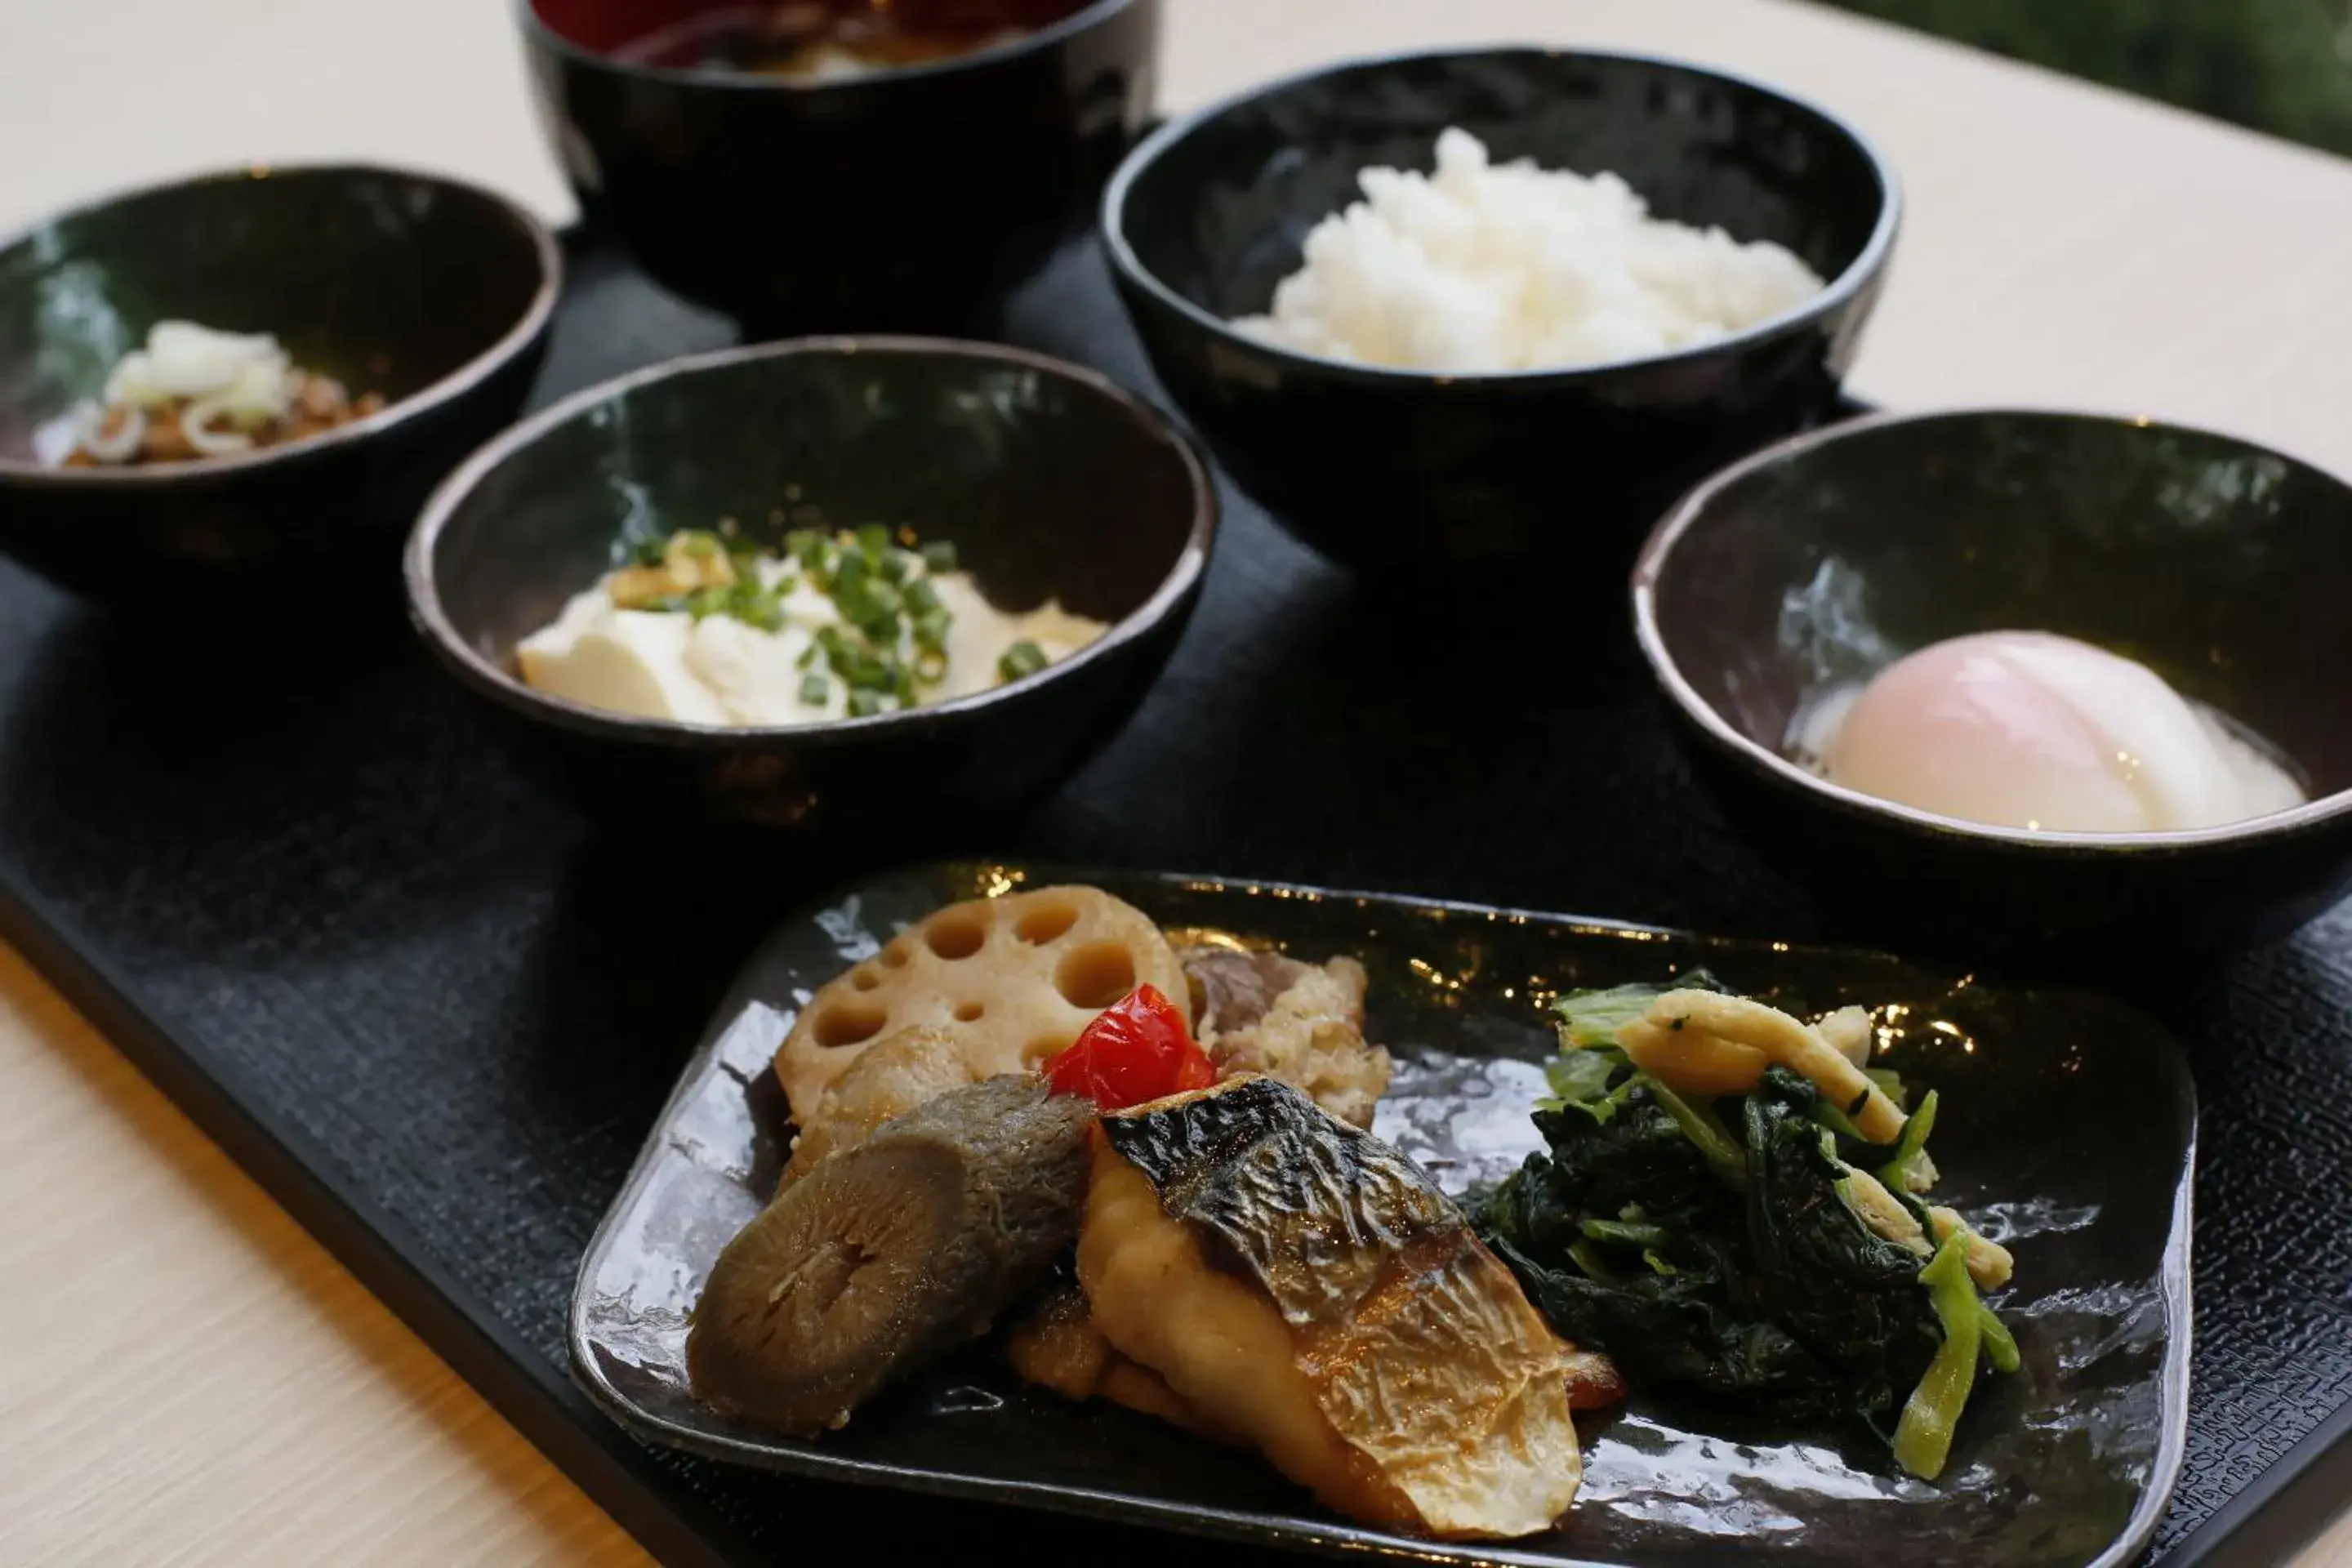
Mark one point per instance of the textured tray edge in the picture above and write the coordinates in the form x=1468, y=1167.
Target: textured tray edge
x=2283, y=1510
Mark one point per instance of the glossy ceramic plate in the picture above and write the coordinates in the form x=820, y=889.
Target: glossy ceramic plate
x=2068, y=1132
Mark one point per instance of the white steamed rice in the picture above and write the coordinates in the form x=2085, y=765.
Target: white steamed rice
x=1483, y=267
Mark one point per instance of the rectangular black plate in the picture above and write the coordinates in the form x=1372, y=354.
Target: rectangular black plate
x=2067, y=1131
x=435, y=1015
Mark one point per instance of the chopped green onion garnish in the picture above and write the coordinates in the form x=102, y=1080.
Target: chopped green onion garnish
x=931, y=630
x=921, y=598
x=815, y=690
x=1022, y=658
x=759, y=608
x=898, y=565
x=850, y=571
x=939, y=555
x=930, y=666
x=865, y=704
x=872, y=541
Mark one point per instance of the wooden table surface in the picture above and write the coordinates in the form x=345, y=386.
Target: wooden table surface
x=191, y=1379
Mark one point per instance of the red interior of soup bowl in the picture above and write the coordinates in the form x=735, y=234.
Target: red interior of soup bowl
x=639, y=29
x=609, y=27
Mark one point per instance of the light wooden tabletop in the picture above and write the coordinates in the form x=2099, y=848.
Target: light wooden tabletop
x=191, y=1379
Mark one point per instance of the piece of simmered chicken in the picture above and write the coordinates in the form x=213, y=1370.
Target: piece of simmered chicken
x=899, y=1073
x=1304, y=1286
x=1302, y=1023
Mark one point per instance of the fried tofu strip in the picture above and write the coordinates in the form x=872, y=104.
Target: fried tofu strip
x=1715, y=1039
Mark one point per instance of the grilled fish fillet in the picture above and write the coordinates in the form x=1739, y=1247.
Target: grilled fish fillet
x=1304, y=1286
x=1056, y=1345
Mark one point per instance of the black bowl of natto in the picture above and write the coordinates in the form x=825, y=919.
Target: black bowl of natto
x=911, y=199
x=430, y=291
x=1050, y=480
x=2221, y=564
x=1402, y=470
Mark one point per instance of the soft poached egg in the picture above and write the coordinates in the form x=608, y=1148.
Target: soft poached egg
x=2040, y=732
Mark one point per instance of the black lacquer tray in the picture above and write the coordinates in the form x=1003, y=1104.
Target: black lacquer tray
x=436, y=1014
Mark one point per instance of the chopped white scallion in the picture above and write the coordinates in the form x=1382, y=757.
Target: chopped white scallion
x=121, y=444
x=196, y=425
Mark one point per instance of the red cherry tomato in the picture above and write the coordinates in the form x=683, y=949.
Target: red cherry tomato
x=1138, y=1049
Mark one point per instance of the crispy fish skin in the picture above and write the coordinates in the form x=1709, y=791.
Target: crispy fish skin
x=1303, y=1285
x=887, y=1255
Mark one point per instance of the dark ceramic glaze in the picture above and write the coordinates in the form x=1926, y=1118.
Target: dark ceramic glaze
x=2223, y=566
x=432, y=293
x=2068, y=1130
x=1051, y=481
x=1398, y=469
x=907, y=201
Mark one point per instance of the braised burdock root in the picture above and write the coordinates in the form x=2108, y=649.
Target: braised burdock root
x=887, y=1254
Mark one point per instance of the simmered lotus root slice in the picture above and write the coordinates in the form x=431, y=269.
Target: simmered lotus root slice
x=1011, y=979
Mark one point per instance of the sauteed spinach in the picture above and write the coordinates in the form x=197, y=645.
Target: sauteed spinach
x=1751, y=1246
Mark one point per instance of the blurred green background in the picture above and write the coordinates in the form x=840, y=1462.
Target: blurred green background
x=2281, y=66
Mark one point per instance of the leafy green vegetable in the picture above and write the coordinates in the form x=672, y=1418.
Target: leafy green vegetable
x=1834, y=1284
x=1628, y=1233
x=1583, y=1076
x=1589, y=1018
x=2000, y=1345
x=1593, y=1017
x=1713, y=1243
x=1923, y=1438
x=1896, y=1172
x=1699, y=1125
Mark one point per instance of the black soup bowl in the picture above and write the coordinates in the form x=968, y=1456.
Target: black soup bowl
x=1050, y=481
x=1400, y=469
x=429, y=291
x=2222, y=566
x=907, y=200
